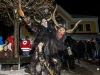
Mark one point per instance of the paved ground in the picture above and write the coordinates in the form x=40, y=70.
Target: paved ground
x=93, y=67
x=84, y=68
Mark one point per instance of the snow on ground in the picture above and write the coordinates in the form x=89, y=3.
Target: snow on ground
x=21, y=72
x=13, y=72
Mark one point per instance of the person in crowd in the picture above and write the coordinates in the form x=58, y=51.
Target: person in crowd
x=6, y=53
x=25, y=46
x=95, y=50
x=1, y=43
x=11, y=41
x=86, y=53
x=81, y=48
x=89, y=49
x=93, y=46
x=99, y=48
x=20, y=51
x=8, y=44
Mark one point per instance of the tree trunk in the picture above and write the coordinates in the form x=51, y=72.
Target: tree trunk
x=16, y=39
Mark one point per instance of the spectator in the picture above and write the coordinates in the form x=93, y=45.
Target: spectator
x=25, y=46
x=94, y=51
x=89, y=50
x=81, y=48
x=1, y=43
x=6, y=53
x=8, y=44
x=99, y=47
x=97, y=50
x=11, y=41
x=20, y=51
x=86, y=53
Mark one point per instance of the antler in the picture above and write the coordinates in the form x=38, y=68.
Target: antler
x=36, y=8
x=49, y=18
x=37, y=20
x=19, y=9
x=43, y=4
x=71, y=30
x=53, y=16
x=68, y=31
x=40, y=21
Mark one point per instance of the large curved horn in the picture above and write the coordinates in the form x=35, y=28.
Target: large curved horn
x=53, y=16
x=49, y=18
x=19, y=9
x=37, y=20
x=71, y=30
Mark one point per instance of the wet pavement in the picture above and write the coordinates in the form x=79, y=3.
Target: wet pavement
x=84, y=68
x=90, y=67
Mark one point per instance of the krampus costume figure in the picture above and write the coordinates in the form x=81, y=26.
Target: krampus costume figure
x=48, y=44
x=71, y=52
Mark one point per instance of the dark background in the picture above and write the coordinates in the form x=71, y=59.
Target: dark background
x=81, y=7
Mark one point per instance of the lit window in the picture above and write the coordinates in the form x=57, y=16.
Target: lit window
x=80, y=27
x=88, y=27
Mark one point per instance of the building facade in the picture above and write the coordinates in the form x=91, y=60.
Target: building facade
x=87, y=28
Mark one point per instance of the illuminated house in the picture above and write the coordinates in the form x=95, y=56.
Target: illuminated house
x=87, y=29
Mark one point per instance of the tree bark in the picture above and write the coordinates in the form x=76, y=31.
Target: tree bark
x=16, y=39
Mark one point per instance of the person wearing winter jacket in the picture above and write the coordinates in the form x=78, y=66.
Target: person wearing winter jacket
x=1, y=43
x=25, y=46
x=11, y=41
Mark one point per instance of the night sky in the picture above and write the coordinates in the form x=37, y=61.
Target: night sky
x=81, y=7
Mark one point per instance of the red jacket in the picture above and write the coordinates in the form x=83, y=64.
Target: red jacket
x=25, y=45
x=11, y=40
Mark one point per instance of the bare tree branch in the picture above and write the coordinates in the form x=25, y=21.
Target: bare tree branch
x=9, y=14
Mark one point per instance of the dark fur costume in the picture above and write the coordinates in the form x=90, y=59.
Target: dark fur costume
x=41, y=33
x=55, y=45
x=69, y=42
x=50, y=49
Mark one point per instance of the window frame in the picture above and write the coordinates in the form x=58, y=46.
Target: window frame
x=90, y=27
x=71, y=24
x=83, y=27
